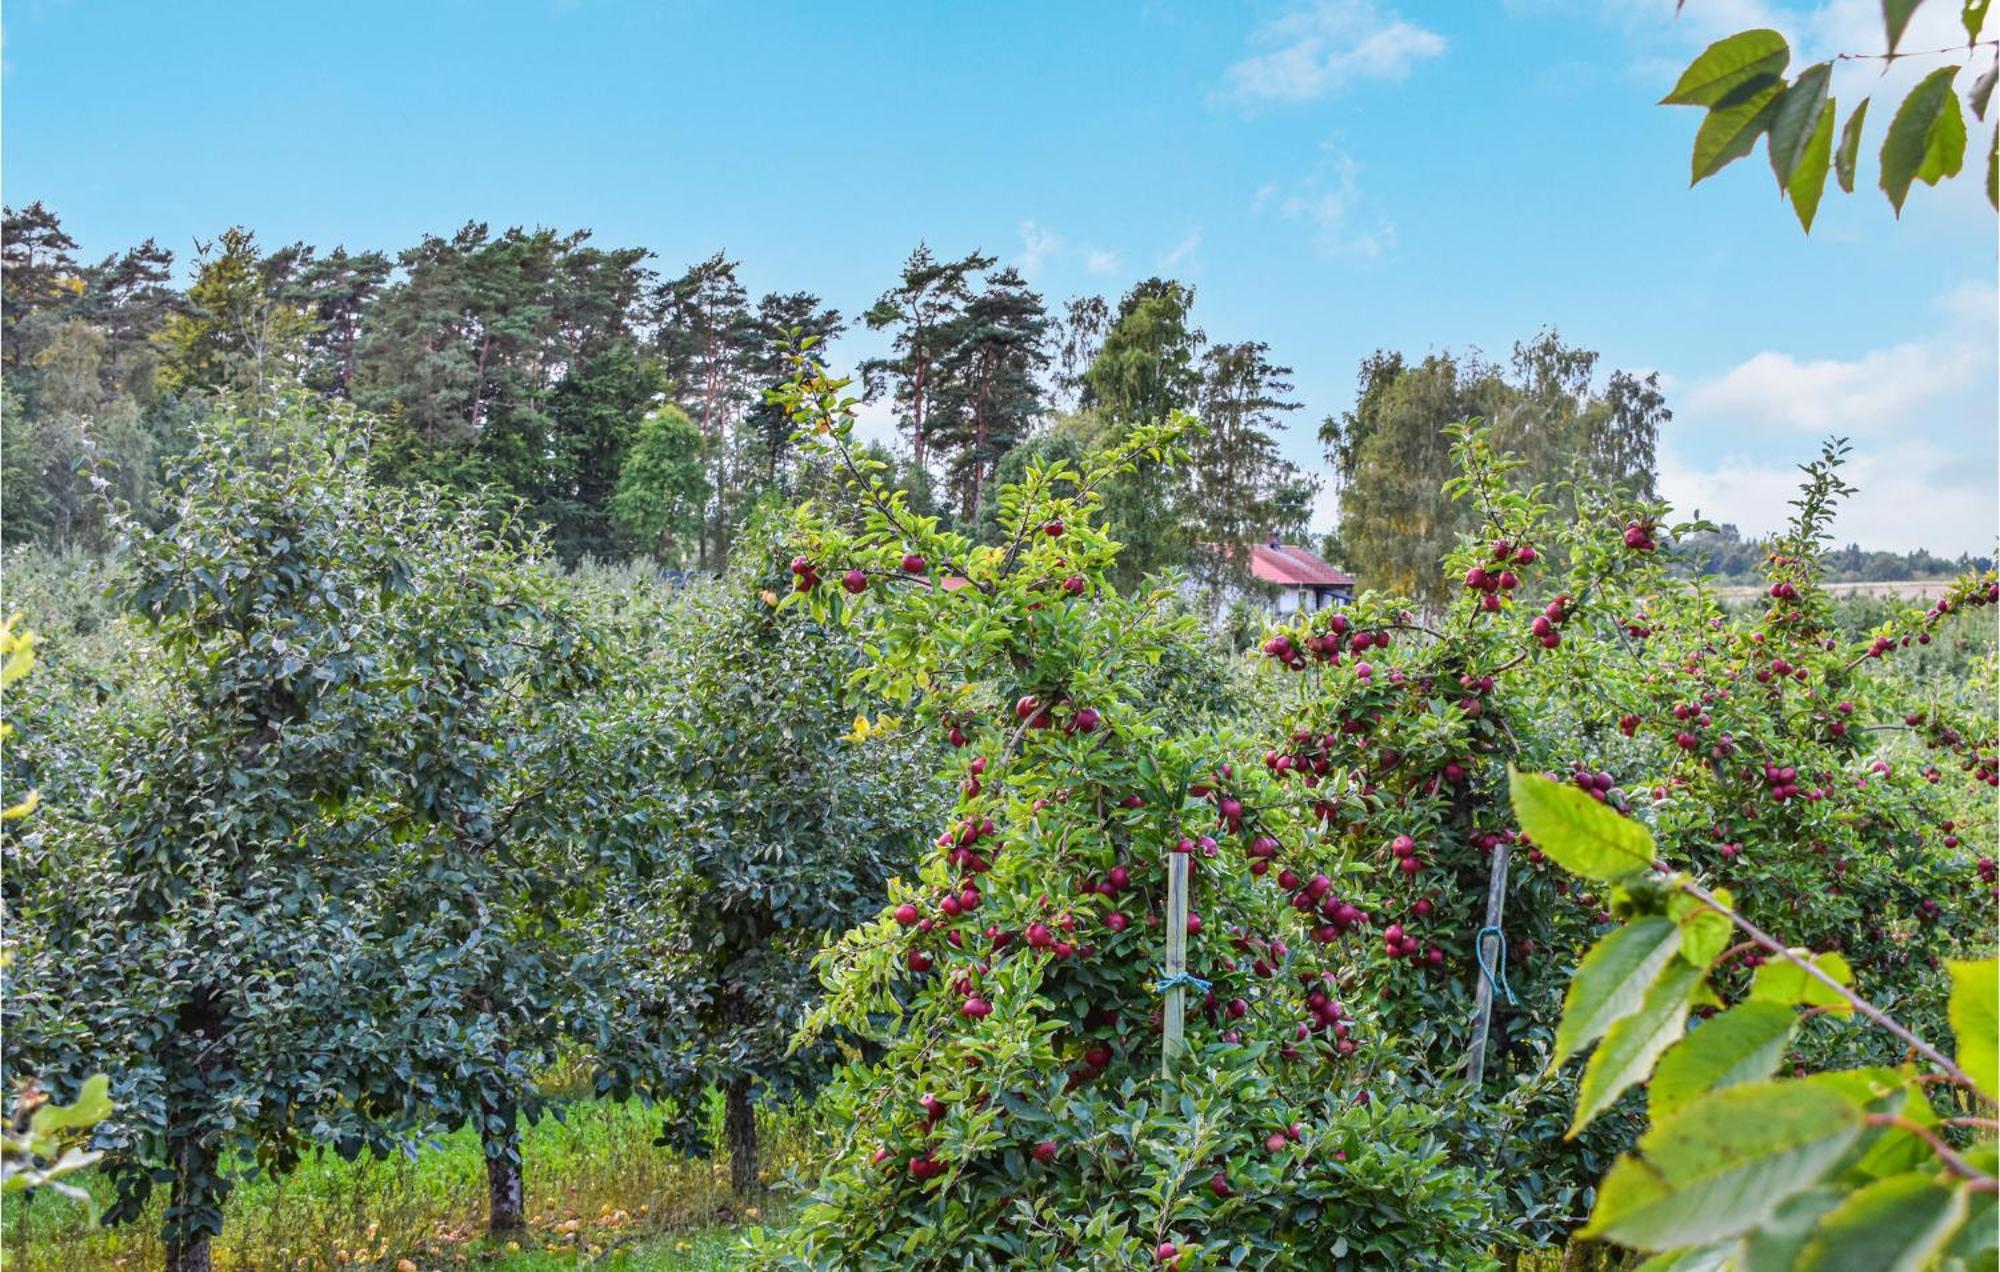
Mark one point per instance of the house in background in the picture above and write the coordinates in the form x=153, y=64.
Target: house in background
x=1304, y=582
x=1284, y=578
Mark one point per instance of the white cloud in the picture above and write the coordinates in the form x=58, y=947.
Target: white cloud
x=1884, y=389
x=1975, y=301
x=1327, y=199
x=1181, y=251
x=1038, y=245
x=1912, y=495
x=1921, y=413
x=1041, y=246
x=1325, y=45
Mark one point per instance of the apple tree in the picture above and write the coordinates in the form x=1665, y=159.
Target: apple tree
x=1008, y=1103
x=783, y=811
x=237, y=841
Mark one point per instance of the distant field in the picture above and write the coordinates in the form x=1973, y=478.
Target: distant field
x=1908, y=589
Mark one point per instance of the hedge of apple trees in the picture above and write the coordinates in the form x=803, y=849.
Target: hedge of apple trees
x=367, y=817
x=1318, y=1116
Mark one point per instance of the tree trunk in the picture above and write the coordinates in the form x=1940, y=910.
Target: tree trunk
x=188, y=1249
x=740, y=1126
x=499, y=1134
x=1581, y=1256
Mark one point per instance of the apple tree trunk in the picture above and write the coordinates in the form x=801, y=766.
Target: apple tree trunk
x=189, y=1241
x=500, y=1136
x=740, y=1127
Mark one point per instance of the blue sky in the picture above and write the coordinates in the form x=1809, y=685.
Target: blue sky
x=1333, y=176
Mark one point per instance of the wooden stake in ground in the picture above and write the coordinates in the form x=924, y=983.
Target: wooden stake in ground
x=1489, y=951
x=1173, y=1016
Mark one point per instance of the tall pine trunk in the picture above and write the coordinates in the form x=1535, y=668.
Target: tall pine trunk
x=500, y=1136
x=739, y=1124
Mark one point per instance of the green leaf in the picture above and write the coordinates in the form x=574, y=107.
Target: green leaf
x=1628, y=1051
x=1727, y=65
x=1708, y=1258
x=1850, y=147
x=1993, y=170
x=1723, y=1165
x=1743, y=1044
x=1981, y=95
x=1974, y=17
x=91, y=1106
x=1705, y=931
x=1881, y=1150
x=1926, y=140
x=1775, y=1245
x=1976, y=1022
x=1576, y=832
x=1896, y=19
x=1782, y=980
x=1978, y=1240
x=1898, y=1224
x=1795, y=120
x=1731, y=129
x=1809, y=178
x=1611, y=981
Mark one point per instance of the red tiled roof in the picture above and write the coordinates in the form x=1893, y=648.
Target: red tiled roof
x=1293, y=566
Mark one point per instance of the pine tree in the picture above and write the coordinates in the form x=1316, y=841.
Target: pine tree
x=987, y=395
x=922, y=308
x=39, y=272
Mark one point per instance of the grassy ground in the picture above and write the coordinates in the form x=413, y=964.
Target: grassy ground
x=600, y=1195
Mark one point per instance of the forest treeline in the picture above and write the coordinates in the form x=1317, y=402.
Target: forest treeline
x=623, y=405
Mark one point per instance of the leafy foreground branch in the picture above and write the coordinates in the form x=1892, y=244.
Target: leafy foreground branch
x=1850, y=1168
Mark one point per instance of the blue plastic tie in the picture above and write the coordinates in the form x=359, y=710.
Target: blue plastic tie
x=1166, y=983
x=1499, y=983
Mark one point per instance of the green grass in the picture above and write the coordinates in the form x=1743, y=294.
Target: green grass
x=599, y=1195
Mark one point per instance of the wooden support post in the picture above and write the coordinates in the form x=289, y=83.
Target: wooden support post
x=1487, y=951
x=1173, y=1013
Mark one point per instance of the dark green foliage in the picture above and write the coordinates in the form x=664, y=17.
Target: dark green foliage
x=987, y=395
x=1145, y=372
x=1391, y=454
x=790, y=810
x=234, y=847
x=923, y=309
x=1242, y=490
x=662, y=492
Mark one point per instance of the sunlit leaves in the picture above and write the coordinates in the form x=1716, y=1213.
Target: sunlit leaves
x=1611, y=981
x=1731, y=128
x=1740, y=1045
x=1897, y=1224
x=1625, y=1057
x=1796, y=120
x=1850, y=146
x=1926, y=140
x=1786, y=980
x=1578, y=833
x=1725, y=67
x=1723, y=1165
x=1705, y=930
x=1808, y=180
x=1896, y=15
x=1976, y=1023
x=1740, y=82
